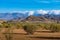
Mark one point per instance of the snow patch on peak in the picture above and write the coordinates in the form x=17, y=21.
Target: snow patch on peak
x=42, y=11
x=30, y=13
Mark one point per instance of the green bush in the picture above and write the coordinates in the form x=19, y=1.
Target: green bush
x=30, y=29
x=55, y=27
x=47, y=26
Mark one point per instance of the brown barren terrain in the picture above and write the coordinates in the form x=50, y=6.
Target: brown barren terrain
x=20, y=34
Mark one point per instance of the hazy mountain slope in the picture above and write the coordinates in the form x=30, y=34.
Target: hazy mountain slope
x=36, y=16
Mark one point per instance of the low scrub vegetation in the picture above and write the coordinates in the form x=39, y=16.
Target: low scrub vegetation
x=31, y=27
x=55, y=27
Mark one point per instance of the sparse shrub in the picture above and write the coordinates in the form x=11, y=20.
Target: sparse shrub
x=47, y=26
x=8, y=36
x=42, y=25
x=18, y=25
x=54, y=28
x=30, y=29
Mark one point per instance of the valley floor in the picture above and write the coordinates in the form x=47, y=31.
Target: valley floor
x=36, y=36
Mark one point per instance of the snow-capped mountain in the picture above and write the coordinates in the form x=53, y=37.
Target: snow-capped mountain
x=46, y=13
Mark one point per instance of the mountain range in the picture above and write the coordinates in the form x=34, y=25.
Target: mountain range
x=36, y=16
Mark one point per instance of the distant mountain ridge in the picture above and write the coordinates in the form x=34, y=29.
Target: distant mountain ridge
x=25, y=16
x=35, y=18
x=9, y=16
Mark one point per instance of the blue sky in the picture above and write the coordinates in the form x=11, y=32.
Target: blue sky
x=9, y=5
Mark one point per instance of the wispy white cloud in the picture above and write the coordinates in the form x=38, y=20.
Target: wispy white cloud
x=55, y=11
x=31, y=13
x=18, y=12
x=47, y=1
x=42, y=11
x=56, y=0
x=42, y=1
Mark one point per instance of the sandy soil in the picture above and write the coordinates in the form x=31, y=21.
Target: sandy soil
x=20, y=34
